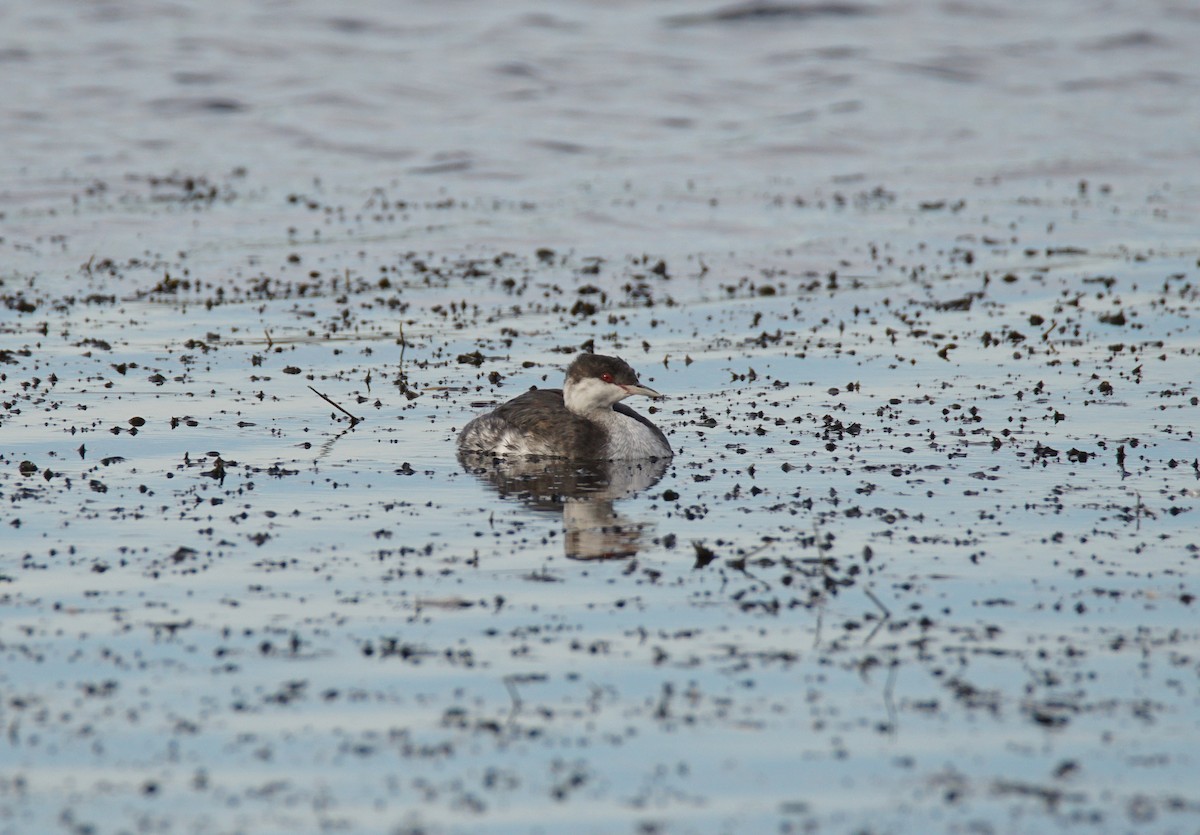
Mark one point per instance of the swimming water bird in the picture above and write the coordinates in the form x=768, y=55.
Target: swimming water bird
x=583, y=420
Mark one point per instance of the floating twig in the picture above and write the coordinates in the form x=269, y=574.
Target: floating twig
x=886, y=612
x=353, y=420
x=887, y=615
x=402, y=377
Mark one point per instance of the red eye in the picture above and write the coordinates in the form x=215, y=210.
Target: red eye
x=608, y=378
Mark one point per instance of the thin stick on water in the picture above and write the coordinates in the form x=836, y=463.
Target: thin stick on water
x=886, y=612
x=353, y=420
x=401, y=376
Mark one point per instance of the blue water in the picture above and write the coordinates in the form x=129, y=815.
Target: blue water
x=919, y=281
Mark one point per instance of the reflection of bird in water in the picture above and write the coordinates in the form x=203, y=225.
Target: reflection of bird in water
x=583, y=491
x=585, y=420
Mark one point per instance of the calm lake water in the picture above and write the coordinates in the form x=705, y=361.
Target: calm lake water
x=920, y=281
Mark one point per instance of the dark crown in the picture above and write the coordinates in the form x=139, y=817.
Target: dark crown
x=597, y=365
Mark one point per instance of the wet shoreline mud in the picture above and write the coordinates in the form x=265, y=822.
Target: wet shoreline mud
x=925, y=557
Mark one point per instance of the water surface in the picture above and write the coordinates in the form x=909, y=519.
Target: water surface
x=919, y=279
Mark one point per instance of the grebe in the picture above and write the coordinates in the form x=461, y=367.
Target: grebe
x=583, y=420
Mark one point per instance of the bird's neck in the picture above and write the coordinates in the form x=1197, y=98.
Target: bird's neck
x=582, y=399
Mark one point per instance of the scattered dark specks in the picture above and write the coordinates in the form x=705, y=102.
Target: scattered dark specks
x=20, y=304
x=99, y=689
x=329, y=566
x=183, y=553
x=1066, y=769
x=1044, y=451
x=1050, y=717
x=963, y=303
